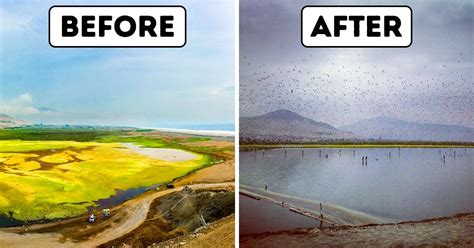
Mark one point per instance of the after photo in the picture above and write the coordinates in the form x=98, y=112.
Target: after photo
x=356, y=146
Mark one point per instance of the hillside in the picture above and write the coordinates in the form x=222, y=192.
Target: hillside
x=8, y=121
x=285, y=126
x=394, y=129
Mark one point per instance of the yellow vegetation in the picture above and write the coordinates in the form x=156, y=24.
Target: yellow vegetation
x=56, y=179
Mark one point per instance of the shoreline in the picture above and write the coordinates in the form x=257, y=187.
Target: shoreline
x=450, y=230
x=334, y=214
x=244, y=147
x=344, y=227
x=456, y=230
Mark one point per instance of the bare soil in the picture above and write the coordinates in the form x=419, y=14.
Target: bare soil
x=216, y=234
x=178, y=214
x=455, y=231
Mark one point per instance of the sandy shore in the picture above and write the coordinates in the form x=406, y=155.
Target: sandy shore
x=455, y=231
x=166, y=154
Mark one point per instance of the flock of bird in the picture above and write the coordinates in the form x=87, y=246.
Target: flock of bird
x=339, y=87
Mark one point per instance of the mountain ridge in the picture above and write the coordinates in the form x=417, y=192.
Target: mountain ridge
x=389, y=128
x=285, y=126
x=8, y=121
x=45, y=109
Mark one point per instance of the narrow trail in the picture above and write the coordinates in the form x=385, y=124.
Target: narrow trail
x=125, y=218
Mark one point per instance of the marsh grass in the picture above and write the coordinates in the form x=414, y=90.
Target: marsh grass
x=59, y=173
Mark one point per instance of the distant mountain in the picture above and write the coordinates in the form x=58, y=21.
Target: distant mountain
x=285, y=126
x=8, y=121
x=394, y=129
x=45, y=109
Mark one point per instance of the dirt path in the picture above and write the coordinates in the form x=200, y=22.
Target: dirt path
x=449, y=231
x=137, y=210
x=75, y=232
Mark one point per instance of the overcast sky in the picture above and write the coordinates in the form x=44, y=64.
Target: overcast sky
x=431, y=81
x=141, y=87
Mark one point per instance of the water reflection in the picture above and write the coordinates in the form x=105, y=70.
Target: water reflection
x=400, y=184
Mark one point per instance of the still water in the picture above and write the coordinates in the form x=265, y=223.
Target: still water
x=261, y=216
x=396, y=184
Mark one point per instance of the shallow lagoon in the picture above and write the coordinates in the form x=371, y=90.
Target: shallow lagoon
x=261, y=216
x=395, y=184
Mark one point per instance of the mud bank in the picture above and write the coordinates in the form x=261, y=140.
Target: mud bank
x=456, y=231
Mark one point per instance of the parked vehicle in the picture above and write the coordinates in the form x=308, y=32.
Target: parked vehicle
x=106, y=212
x=91, y=218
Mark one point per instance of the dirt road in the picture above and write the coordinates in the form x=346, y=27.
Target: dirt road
x=76, y=232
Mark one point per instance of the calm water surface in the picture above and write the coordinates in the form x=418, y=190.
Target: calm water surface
x=262, y=216
x=405, y=184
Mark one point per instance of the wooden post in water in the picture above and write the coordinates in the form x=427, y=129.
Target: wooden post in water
x=321, y=215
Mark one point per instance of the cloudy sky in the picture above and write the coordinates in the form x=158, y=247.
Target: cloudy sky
x=431, y=81
x=141, y=87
